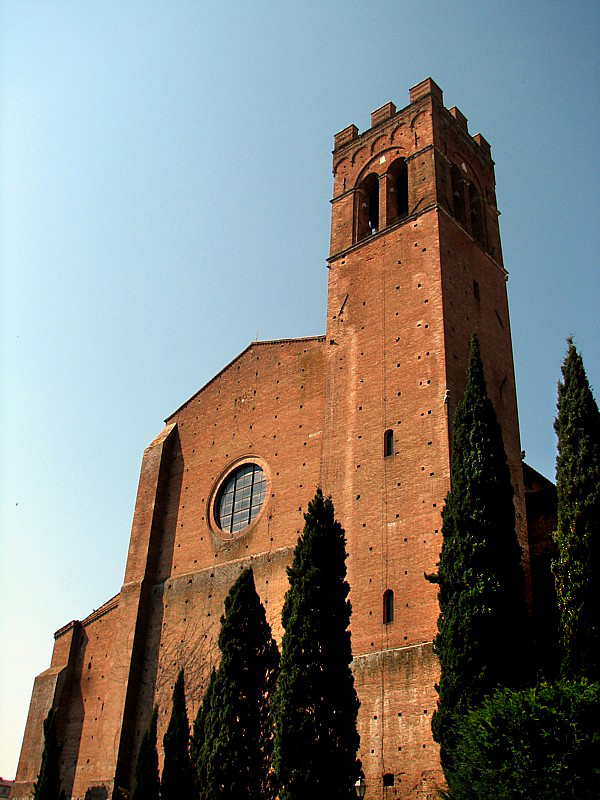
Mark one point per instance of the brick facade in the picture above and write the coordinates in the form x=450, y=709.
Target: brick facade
x=415, y=266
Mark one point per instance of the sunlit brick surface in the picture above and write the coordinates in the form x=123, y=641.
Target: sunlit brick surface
x=410, y=278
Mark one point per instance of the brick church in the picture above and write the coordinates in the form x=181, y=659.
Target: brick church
x=364, y=411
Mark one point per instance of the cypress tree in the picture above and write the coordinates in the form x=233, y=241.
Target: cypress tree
x=578, y=528
x=202, y=733
x=47, y=786
x=177, y=781
x=233, y=734
x=315, y=704
x=483, y=639
x=146, y=784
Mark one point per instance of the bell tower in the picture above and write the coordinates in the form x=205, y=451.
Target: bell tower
x=415, y=267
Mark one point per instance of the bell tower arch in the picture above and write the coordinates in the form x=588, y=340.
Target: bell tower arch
x=415, y=267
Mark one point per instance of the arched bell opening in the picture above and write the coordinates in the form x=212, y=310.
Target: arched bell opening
x=367, y=222
x=397, y=191
x=476, y=215
x=458, y=195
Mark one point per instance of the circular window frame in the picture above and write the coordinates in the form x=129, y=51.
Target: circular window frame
x=216, y=530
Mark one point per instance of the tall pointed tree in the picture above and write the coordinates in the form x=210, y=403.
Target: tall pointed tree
x=316, y=705
x=202, y=732
x=232, y=742
x=578, y=529
x=47, y=786
x=177, y=781
x=483, y=639
x=146, y=784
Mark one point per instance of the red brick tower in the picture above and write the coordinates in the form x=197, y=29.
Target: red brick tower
x=415, y=267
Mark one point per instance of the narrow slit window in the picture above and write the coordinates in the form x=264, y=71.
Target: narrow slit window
x=476, y=292
x=388, y=606
x=388, y=443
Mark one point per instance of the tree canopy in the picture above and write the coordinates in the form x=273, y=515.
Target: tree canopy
x=232, y=741
x=483, y=639
x=177, y=781
x=542, y=743
x=315, y=704
x=146, y=784
x=47, y=786
x=578, y=528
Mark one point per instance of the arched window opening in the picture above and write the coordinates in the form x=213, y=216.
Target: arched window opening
x=388, y=779
x=458, y=194
x=476, y=213
x=374, y=209
x=388, y=443
x=397, y=191
x=368, y=207
x=388, y=607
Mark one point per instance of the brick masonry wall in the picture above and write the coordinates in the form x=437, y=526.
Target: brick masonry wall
x=386, y=371
x=267, y=406
x=395, y=720
x=465, y=262
x=401, y=307
x=92, y=713
x=401, y=310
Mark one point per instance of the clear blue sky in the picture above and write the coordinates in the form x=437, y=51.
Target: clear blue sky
x=165, y=175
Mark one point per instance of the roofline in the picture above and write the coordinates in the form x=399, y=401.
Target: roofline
x=541, y=477
x=109, y=605
x=320, y=337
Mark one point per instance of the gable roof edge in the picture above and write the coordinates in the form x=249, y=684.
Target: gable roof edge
x=320, y=337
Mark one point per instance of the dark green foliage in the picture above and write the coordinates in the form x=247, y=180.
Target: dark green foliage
x=202, y=731
x=232, y=742
x=177, y=781
x=146, y=784
x=483, y=639
x=578, y=530
x=47, y=786
x=316, y=706
x=541, y=743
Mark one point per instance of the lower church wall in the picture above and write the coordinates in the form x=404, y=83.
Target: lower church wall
x=92, y=717
x=46, y=688
x=184, y=625
x=398, y=698
x=82, y=685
